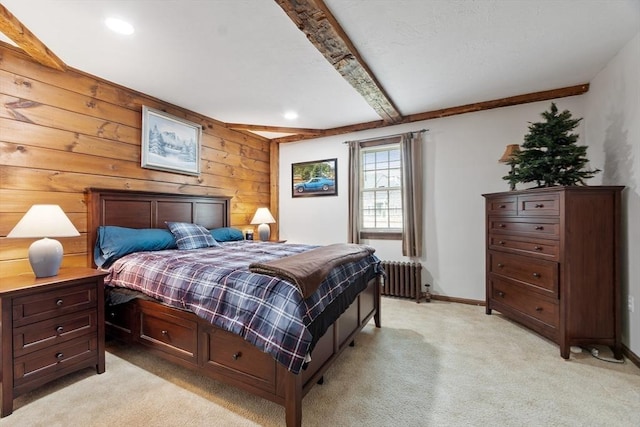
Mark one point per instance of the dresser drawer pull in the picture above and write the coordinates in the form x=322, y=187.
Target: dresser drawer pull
x=59, y=303
x=59, y=330
x=539, y=309
x=501, y=242
x=501, y=294
x=539, y=205
x=112, y=314
x=236, y=356
x=501, y=225
x=165, y=333
x=59, y=356
x=539, y=227
x=537, y=248
x=503, y=206
x=500, y=265
x=536, y=275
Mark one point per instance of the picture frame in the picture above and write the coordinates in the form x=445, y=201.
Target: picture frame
x=169, y=143
x=316, y=178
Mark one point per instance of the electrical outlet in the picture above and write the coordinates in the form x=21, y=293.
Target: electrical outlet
x=632, y=305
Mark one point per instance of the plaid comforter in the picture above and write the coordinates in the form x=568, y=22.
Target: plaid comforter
x=216, y=284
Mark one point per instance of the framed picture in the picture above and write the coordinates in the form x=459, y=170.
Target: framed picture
x=319, y=178
x=170, y=143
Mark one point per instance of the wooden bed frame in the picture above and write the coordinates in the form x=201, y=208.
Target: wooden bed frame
x=183, y=338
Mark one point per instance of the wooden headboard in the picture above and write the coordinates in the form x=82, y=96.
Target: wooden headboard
x=139, y=209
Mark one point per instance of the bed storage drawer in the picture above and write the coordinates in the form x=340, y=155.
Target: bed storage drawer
x=230, y=355
x=165, y=332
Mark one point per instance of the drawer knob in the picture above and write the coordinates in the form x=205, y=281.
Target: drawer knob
x=501, y=225
x=537, y=248
x=59, y=356
x=59, y=329
x=500, y=265
x=112, y=314
x=236, y=356
x=539, y=205
x=501, y=242
x=165, y=333
x=500, y=294
x=539, y=227
x=538, y=309
x=502, y=206
x=59, y=303
x=536, y=275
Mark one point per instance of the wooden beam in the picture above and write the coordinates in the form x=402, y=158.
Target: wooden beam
x=452, y=111
x=315, y=19
x=27, y=41
x=277, y=129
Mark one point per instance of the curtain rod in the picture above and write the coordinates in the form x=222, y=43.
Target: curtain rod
x=386, y=136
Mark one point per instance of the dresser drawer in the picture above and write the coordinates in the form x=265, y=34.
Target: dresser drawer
x=539, y=205
x=540, y=274
x=538, y=228
x=230, y=355
x=42, y=363
x=544, y=249
x=175, y=335
x=513, y=295
x=53, y=331
x=46, y=305
x=502, y=206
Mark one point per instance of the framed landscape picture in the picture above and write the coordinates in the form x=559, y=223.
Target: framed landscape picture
x=318, y=178
x=170, y=143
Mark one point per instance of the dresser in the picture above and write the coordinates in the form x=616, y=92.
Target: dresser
x=50, y=327
x=552, y=263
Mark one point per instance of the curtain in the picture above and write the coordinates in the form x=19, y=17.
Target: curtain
x=354, y=192
x=412, y=192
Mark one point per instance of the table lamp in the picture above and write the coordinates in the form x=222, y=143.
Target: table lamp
x=264, y=218
x=45, y=255
x=509, y=153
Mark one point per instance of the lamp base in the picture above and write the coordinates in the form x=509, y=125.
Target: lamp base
x=264, y=231
x=45, y=256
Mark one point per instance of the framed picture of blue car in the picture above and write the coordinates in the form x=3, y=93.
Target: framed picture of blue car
x=318, y=178
x=170, y=143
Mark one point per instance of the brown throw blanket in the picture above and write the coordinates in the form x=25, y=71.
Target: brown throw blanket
x=308, y=269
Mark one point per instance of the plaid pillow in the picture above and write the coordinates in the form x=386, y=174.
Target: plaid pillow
x=191, y=236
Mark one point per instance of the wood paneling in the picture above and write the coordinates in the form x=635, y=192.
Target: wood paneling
x=63, y=132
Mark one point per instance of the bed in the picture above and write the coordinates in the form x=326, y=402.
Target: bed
x=180, y=336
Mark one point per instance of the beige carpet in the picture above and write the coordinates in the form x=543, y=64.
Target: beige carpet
x=435, y=364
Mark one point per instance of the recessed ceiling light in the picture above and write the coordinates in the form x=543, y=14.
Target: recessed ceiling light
x=290, y=115
x=119, y=26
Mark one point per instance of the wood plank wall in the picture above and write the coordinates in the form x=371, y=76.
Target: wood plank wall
x=63, y=132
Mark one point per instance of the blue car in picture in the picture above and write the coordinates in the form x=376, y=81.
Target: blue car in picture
x=315, y=184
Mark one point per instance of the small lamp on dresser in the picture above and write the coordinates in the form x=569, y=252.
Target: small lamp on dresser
x=509, y=153
x=264, y=218
x=44, y=221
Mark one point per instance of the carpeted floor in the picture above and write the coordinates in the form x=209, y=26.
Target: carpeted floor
x=435, y=364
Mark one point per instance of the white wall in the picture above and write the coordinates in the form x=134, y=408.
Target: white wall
x=612, y=111
x=461, y=163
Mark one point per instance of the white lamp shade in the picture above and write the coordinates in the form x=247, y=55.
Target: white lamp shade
x=44, y=221
x=264, y=218
x=45, y=255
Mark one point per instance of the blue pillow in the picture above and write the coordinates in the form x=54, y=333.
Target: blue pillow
x=227, y=234
x=115, y=242
x=191, y=236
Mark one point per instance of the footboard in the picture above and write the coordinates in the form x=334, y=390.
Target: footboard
x=181, y=337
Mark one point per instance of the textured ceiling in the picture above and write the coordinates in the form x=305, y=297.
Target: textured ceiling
x=244, y=61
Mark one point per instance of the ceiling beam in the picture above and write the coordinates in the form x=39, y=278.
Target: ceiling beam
x=27, y=41
x=276, y=129
x=322, y=29
x=452, y=111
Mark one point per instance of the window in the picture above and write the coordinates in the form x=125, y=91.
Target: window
x=381, y=189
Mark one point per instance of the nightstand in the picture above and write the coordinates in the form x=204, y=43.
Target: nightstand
x=51, y=326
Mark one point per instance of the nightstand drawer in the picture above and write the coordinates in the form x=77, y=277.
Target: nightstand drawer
x=39, y=364
x=45, y=305
x=53, y=331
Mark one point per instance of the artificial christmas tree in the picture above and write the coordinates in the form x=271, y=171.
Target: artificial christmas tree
x=549, y=155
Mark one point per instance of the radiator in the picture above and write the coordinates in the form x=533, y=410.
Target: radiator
x=403, y=279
